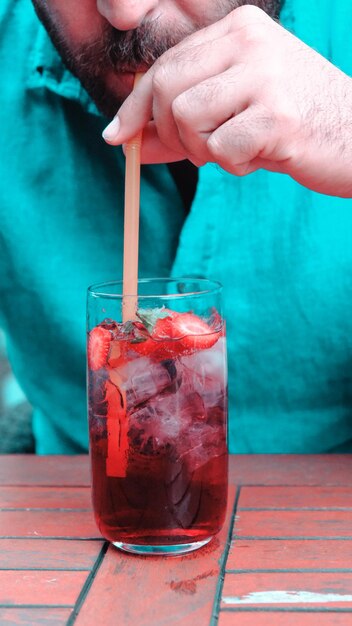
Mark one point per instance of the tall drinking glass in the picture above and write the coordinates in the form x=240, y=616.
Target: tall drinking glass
x=157, y=398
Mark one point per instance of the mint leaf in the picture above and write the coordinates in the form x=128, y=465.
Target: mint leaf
x=138, y=340
x=149, y=317
x=128, y=328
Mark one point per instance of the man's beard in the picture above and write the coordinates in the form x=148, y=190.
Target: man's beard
x=118, y=52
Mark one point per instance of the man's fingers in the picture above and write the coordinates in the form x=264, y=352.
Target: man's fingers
x=189, y=89
x=134, y=114
x=199, y=111
x=177, y=70
x=153, y=151
x=242, y=139
x=194, y=58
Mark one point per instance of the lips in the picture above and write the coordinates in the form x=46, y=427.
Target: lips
x=122, y=79
x=129, y=69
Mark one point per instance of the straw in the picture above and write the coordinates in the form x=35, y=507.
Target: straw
x=131, y=228
x=117, y=425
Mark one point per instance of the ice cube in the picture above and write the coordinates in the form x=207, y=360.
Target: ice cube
x=206, y=371
x=209, y=363
x=142, y=379
x=201, y=443
x=164, y=418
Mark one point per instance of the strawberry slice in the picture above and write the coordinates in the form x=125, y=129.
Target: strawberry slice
x=98, y=347
x=144, y=348
x=190, y=333
x=176, y=335
x=117, y=353
x=146, y=332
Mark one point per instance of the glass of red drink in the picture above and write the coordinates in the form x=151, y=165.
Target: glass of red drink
x=157, y=399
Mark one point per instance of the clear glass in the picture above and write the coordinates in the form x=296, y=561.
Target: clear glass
x=157, y=402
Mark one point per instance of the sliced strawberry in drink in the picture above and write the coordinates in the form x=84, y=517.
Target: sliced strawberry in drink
x=139, y=339
x=117, y=353
x=145, y=348
x=98, y=347
x=191, y=333
x=178, y=334
x=166, y=334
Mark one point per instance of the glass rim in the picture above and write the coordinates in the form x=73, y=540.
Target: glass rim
x=214, y=287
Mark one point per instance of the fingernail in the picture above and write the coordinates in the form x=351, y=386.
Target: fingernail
x=111, y=132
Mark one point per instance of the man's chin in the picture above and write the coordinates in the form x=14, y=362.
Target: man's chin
x=121, y=83
x=106, y=99
x=110, y=92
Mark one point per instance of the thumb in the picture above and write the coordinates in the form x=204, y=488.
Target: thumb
x=133, y=115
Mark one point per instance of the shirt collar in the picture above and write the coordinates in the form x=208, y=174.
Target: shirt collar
x=49, y=72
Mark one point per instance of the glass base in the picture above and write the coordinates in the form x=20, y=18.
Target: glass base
x=163, y=550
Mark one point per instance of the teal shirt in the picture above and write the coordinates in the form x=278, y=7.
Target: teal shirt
x=282, y=252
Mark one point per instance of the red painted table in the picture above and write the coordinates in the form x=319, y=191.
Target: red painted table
x=284, y=557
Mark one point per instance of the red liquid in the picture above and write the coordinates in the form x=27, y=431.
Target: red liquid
x=173, y=487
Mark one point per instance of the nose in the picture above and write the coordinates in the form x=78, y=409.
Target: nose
x=126, y=14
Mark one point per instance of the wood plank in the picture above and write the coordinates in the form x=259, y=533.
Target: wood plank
x=291, y=469
x=37, y=617
x=295, y=497
x=45, y=497
x=56, y=588
x=29, y=469
x=293, y=524
x=155, y=590
x=262, y=469
x=56, y=554
x=233, y=618
x=289, y=554
x=75, y=524
x=321, y=590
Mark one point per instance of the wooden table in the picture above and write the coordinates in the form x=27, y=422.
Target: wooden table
x=284, y=557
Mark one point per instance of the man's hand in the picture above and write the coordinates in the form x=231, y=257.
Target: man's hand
x=246, y=94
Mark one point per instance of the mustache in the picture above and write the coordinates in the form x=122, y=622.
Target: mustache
x=127, y=50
